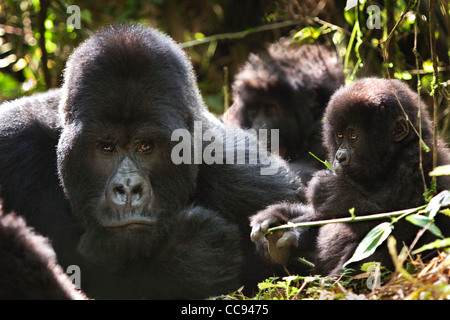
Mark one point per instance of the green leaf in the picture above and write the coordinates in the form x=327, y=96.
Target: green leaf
x=446, y=212
x=307, y=33
x=326, y=163
x=371, y=242
x=441, y=171
x=424, y=146
x=437, y=202
x=199, y=36
x=352, y=212
x=264, y=285
x=422, y=222
x=368, y=265
x=439, y=243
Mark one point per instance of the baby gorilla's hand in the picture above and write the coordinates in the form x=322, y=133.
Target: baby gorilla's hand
x=275, y=247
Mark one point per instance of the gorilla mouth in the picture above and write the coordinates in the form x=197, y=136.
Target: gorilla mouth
x=132, y=222
x=338, y=168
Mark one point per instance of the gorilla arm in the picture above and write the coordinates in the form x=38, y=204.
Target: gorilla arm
x=331, y=196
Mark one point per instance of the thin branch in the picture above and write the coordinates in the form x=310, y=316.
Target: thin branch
x=419, y=112
x=239, y=35
x=327, y=24
x=226, y=91
x=41, y=25
x=348, y=220
x=435, y=82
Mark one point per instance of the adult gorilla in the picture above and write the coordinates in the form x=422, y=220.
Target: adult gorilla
x=138, y=225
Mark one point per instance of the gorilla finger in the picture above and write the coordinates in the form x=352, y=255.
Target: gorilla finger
x=256, y=233
x=287, y=240
x=267, y=224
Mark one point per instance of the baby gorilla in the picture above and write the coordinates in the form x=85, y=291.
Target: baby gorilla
x=374, y=152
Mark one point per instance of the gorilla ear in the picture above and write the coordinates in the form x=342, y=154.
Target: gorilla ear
x=400, y=130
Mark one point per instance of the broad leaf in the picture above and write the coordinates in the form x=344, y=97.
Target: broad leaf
x=437, y=202
x=441, y=171
x=446, y=212
x=371, y=242
x=422, y=221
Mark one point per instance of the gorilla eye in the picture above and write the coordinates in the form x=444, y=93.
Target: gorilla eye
x=352, y=136
x=145, y=148
x=107, y=147
x=339, y=135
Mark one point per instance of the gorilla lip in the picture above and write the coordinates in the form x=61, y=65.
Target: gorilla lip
x=132, y=222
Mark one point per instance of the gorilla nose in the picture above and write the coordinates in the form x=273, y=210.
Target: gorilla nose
x=343, y=157
x=128, y=190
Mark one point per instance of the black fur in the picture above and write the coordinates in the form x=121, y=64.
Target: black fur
x=381, y=175
x=287, y=88
x=28, y=266
x=124, y=85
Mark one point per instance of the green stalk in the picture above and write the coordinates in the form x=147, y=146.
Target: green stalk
x=400, y=214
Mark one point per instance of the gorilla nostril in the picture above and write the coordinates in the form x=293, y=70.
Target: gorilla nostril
x=120, y=190
x=342, y=156
x=137, y=190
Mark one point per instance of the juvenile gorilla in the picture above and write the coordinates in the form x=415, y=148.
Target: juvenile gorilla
x=375, y=157
x=287, y=88
x=110, y=198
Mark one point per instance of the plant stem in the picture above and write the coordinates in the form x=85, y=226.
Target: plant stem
x=435, y=82
x=419, y=87
x=347, y=220
x=239, y=35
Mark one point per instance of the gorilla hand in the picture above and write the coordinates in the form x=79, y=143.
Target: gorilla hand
x=277, y=247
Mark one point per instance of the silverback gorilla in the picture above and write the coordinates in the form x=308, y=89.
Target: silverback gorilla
x=375, y=157
x=287, y=87
x=89, y=166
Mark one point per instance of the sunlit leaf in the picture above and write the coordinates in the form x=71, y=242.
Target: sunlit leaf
x=422, y=221
x=437, y=202
x=441, y=171
x=308, y=33
x=326, y=163
x=265, y=285
x=352, y=212
x=368, y=265
x=439, y=243
x=424, y=146
x=371, y=242
x=199, y=36
x=405, y=75
x=428, y=66
x=351, y=4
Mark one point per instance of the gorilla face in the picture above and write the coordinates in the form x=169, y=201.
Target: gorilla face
x=121, y=106
x=364, y=135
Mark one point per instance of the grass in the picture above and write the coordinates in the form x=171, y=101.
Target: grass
x=415, y=280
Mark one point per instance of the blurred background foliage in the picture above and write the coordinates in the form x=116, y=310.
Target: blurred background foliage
x=35, y=39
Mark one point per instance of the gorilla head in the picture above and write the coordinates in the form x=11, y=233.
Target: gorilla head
x=366, y=128
x=114, y=151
